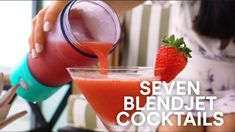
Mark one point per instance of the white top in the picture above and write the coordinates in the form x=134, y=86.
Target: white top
x=212, y=67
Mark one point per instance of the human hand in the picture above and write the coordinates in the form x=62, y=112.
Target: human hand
x=5, y=106
x=44, y=22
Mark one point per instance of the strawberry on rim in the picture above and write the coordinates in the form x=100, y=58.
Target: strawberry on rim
x=172, y=57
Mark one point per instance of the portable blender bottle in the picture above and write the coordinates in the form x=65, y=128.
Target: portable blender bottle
x=78, y=22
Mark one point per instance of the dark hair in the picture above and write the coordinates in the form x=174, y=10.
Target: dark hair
x=216, y=19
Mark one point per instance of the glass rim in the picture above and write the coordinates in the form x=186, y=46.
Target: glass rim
x=126, y=71
x=113, y=68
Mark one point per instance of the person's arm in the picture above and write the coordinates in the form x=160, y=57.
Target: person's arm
x=44, y=22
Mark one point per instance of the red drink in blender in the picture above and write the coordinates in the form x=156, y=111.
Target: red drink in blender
x=81, y=28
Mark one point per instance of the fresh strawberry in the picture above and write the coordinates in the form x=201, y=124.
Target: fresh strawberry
x=171, y=58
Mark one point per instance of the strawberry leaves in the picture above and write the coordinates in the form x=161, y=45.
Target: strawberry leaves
x=177, y=43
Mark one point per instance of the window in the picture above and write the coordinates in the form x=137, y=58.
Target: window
x=15, y=28
x=15, y=25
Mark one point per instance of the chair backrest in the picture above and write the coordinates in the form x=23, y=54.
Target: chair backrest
x=144, y=27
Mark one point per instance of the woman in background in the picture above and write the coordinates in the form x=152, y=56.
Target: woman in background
x=208, y=28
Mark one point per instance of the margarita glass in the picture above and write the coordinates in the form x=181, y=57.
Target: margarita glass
x=105, y=93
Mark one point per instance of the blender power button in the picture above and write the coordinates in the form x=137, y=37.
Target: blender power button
x=23, y=84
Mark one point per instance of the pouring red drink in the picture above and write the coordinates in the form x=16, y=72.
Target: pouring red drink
x=78, y=23
x=84, y=31
x=106, y=92
x=106, y=88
